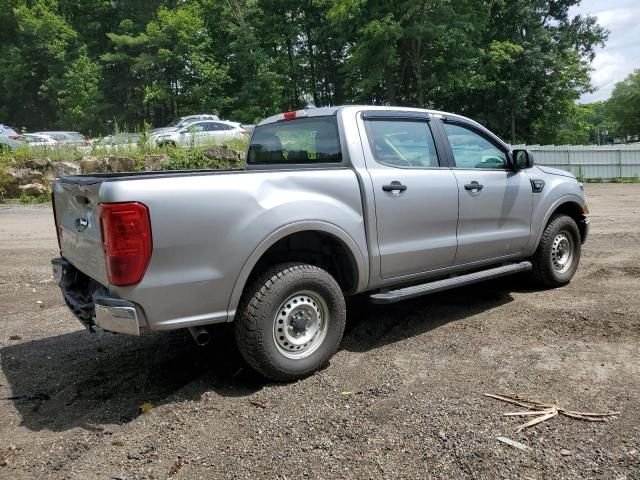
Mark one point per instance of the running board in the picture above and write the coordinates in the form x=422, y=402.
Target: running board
x=392, y=296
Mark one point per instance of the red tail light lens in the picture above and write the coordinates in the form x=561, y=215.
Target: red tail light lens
x=290, y=115
x=126, y=241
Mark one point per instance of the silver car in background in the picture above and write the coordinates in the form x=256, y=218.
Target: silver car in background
x=40, y=140
x=9, y=138
x=75, y=139
x=201, y=133
x=180, y=122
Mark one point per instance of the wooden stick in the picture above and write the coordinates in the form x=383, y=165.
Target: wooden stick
x=540, y=419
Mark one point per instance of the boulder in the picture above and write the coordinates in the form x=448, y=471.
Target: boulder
x=37, y=163
x=33, y=189
x=63, y=169
x=121, y=164
x=23, y=176
x=93, y=165
x=221, y=152
x=154, y=162
x=15, y=177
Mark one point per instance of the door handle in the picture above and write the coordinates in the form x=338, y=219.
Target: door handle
x=394, y=186
x=473, y=186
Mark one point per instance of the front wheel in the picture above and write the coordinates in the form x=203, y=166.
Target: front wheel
x=290, y=321
x=558, y=255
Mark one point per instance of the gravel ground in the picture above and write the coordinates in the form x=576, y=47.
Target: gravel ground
x=416, y=372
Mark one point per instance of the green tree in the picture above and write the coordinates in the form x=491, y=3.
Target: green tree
x=624, y=105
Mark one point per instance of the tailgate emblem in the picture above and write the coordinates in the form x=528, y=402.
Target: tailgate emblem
x=81, y=224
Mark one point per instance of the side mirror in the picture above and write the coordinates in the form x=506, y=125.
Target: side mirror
x=522, y=159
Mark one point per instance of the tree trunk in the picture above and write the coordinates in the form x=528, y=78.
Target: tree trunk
x=312, y=64
x=293, y=99
x=391, y=88
x=513, y=126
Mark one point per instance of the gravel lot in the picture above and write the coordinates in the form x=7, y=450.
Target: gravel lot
x=416, y=372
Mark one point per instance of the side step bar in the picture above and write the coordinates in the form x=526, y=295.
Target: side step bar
x=392, y=296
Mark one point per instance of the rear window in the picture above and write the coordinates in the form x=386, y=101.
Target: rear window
x=303, y=141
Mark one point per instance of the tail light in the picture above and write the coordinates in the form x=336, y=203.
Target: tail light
x=126, y=241
x=17, y=138
x=244, y=133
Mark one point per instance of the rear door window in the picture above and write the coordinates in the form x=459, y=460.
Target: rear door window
x=402, y=143
x=302, y=141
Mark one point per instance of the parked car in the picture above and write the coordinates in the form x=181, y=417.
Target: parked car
x=389, y=201
x=67, y=138
x=248, y=127
x=40, y=140
x=117, y=141
x=180, y=122
x=9, y=138
x=199, y=133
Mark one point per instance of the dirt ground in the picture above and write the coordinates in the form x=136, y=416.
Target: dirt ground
x=416, y=372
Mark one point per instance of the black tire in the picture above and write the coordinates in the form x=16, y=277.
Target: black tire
x=261, y=315
x=551, y=268
x=169, y=144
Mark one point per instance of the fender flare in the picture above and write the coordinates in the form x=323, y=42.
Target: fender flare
x=315, y=225
x=569, y=198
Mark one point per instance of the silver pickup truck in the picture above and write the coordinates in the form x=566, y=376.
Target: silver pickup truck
x=396, y=202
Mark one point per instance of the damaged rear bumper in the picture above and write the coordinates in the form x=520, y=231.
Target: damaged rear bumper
x=91, y=303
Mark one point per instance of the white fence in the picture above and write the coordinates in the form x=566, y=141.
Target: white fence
x=590, y=161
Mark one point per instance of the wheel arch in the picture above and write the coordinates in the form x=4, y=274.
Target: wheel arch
x=316, y=236
x=571, y=206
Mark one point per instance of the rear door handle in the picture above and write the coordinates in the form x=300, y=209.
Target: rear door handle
x=473, y=186
x=394, y=186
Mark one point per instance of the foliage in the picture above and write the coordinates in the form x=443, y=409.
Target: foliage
x=624, y=105
x=515, y=65
x=30, y=199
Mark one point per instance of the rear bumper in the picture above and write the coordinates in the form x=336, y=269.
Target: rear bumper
x=91, y=303
x=115, y=315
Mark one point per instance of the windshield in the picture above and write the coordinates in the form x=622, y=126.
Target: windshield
x=303, y=141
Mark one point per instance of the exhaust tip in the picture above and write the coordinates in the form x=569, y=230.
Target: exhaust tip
x=200, y=335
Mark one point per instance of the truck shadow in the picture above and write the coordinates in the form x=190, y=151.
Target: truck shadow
x=371, y=326
x=90, y=380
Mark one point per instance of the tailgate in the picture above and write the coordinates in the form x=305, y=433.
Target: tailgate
x=78, y=223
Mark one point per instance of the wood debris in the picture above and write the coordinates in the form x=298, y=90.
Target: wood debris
x=175, y=468
x=258, y=403
x=546, y=411
x=513, y=443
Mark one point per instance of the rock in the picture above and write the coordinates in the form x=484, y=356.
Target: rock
x=221, y=152
x=154, y=162
x=38, y=163
x=14, y=178
x=565, y=453
x=121, y=164
x=25, y=176
x=33, y=189
x=93, y=165
x=63, y=169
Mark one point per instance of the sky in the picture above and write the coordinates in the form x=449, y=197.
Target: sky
x=621, y=54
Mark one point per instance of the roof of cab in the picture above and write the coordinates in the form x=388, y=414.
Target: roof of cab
x=327, y=111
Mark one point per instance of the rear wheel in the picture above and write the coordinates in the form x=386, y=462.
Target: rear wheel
x=291, y=321
x=558, y=255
